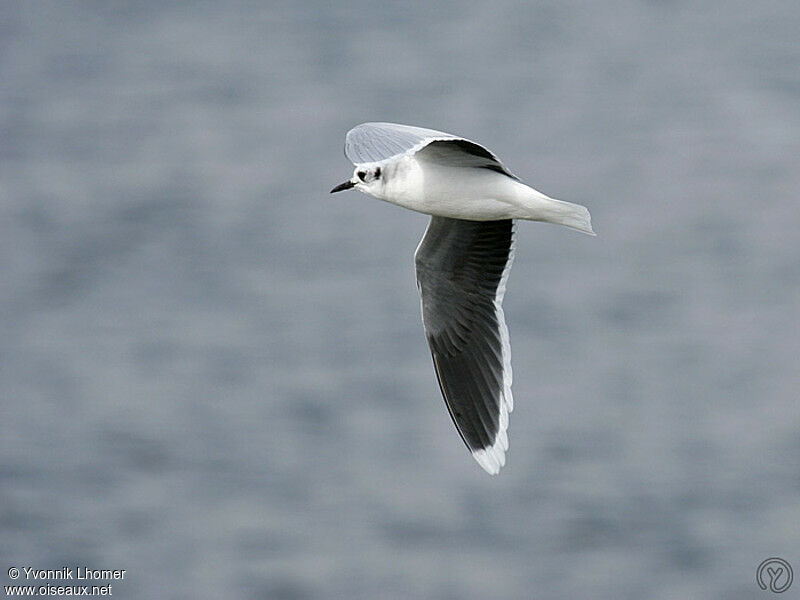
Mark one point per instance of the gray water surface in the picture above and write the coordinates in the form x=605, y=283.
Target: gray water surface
x=213, y=374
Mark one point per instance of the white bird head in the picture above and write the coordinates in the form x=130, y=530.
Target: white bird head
x=365, y=179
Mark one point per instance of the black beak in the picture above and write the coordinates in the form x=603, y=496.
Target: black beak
x=343, y=186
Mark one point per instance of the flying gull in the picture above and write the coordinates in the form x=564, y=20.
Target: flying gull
x=462, y=261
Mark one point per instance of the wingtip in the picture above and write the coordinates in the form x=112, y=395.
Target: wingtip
x=492, y=459
x=487, y=461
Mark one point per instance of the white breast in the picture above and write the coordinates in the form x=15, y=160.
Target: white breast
x=455, y=192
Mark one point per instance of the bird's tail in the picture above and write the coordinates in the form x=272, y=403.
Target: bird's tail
x=538, y=207
x=570, y=215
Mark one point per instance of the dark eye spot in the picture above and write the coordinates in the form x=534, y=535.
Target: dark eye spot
x=362, y=175
x=378, y=173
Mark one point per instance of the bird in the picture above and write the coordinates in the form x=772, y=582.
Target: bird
x=462, y=262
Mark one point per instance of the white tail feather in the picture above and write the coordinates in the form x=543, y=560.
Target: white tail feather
x=570, y=215
x=550, y=210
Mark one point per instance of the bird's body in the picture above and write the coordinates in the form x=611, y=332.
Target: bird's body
x=454, y=192
x=462, y=261
x=475, y=194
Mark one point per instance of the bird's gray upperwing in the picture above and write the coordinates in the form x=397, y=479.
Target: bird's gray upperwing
x=461, y=153
x=377, y=142
x=461, y=274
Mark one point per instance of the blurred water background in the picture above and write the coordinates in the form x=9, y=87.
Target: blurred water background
x=213, y=374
